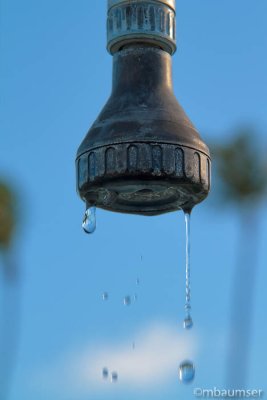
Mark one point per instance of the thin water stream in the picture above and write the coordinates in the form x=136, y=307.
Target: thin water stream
x=187, y=368
x=188, y=322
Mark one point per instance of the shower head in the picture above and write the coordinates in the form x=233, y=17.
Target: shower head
x=142, y=155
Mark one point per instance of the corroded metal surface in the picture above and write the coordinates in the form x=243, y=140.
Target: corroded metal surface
x=143, y=178
x=142, y=155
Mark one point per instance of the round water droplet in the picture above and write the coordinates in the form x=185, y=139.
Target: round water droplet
x=105, y=373
x=105, y=296
x=89, y=221
x=188, y=322
x=114, y=377
x=127, y=300
x=186, y=372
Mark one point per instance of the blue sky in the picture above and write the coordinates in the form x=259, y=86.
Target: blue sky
x=55, y=77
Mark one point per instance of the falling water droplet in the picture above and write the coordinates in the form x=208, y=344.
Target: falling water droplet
x=114, y=377
x=186, y=371
x=89, y=221
x=137, y=281
x=135, y=297
x=105, y=373
x=105, y=296
x=188, y=322
x=127, y=300
x=133, y=345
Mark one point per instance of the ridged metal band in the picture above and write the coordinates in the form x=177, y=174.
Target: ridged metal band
x=120, y=160
x=146, y=21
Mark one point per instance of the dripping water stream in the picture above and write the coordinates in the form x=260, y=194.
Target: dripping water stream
x=188, y=322
x=187, y=368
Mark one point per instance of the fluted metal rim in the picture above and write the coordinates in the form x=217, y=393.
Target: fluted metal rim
x=114, y=45
x=112, y=3
x=149, y=21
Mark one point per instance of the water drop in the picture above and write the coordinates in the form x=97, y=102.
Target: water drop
x=135, y=297
x=127, y=300
x=114, y=377
x=133, y=345
x=137, y=281
x=105, y=373
x=188, y=322
x=186, y=372
x=89, y=221
x=105, y=296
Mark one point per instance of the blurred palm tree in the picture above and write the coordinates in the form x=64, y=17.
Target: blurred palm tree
x=9, y=322
x=7, y=227
x=242, y=171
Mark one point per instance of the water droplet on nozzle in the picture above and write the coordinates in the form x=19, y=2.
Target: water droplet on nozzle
x=89, y=221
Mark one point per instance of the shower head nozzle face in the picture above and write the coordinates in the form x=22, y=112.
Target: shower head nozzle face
x=143, y=178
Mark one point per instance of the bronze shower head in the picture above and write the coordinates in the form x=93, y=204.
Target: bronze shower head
x=142, y=155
